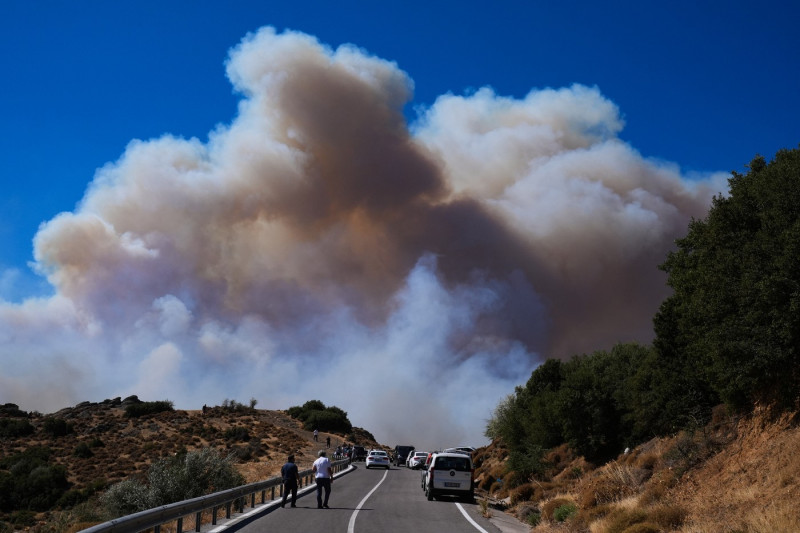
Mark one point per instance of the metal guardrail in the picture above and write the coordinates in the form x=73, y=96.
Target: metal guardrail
x=229, y=500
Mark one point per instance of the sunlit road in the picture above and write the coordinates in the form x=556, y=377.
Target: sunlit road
x=374, y=501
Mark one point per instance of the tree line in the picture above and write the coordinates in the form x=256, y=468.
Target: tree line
x=728, y=334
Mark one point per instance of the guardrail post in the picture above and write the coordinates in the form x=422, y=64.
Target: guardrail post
x=179, y=526
x=263, y=496
x=157, y=529
x=214, y=516
x=198, y=518
x=227, y=510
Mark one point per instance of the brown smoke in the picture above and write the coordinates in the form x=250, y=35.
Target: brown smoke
x=318, y=228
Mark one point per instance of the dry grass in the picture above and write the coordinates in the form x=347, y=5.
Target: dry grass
x=737, y=475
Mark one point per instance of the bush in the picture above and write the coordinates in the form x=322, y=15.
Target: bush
x=563, y=512
x=56, y=427
x=549, y=508
x=15, y=427
x=622, y=519
x=82, y=451
x=174, y=479
x=668, y=516
x=148, y=408
x=238, y=433
x=30, y=482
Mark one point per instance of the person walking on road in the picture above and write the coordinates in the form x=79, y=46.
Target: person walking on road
x=290, y=477
x=323, y=475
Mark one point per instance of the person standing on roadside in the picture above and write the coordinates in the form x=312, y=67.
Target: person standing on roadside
x=290, y=476
x=323, y=475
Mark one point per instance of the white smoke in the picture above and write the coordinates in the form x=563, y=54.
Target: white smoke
x=319, y=248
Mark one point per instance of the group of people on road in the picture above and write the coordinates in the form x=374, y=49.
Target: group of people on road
x=323, y=476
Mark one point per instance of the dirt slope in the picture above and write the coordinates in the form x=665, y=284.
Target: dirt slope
x=260, y=439
x=736, y=475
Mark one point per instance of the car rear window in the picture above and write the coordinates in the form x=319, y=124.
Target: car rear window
x=460, y=464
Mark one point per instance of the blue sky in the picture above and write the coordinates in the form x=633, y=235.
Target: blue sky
x=698, y=84
x=203, y=242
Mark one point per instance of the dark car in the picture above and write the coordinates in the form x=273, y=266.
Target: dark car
x=401, y=453
x=359, y=453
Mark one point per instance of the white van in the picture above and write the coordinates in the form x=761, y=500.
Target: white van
x=450, y=474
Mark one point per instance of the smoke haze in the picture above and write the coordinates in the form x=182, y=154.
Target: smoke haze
x=320, y=248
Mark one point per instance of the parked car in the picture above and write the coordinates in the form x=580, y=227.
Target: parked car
x=416, y=460
x=359, y=453
x=450, y=474
x=378, y=458
x=461, y=449
x=401, y=453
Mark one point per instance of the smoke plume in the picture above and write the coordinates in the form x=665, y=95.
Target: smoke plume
x=318, y=247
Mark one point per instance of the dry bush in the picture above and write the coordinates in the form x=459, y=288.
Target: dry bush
x=643, y=527
x=613, y=483
x=667, y=516
x=523, y=493
x=620, y=519
x=653, y=493
x=550, y=506
x=777, y=517
x=647, y=461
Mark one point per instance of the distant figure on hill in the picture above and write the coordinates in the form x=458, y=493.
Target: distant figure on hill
x=316, y=435
x=327, y=442
x=290, y=477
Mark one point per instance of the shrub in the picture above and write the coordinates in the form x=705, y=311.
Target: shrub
x=136, y=410
x=15, y=427
x=644, y=527
x=174, y=479
x=56, y=427
x=31, y=483
x=621, y=519
x=667, y=516
x=237, y=433
x=82, y=451
x=522, y=493
x=549, y=508
x=534, y=518
x=563, y=512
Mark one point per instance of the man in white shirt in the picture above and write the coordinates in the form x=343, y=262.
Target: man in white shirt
x=323, y=475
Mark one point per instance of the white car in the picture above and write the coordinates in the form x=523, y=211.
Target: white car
x=450, y=474
x=378, y=458
x=417, y=460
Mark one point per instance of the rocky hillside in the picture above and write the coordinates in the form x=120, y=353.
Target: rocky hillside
x=99, y=445
x=735, y=475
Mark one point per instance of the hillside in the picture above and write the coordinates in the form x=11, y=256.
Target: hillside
x=120, y=447
x=735, y=475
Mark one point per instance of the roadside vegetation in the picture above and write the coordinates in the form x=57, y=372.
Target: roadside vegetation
x=725, y=347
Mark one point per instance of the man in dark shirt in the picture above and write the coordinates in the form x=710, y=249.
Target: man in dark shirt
x=290, y=476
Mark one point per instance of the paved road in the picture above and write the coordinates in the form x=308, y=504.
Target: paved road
x=373, y=501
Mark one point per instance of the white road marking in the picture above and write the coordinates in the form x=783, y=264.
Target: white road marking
x=352, y=524
x=469, y=518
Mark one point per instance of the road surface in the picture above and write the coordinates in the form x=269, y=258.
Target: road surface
x=372, y=501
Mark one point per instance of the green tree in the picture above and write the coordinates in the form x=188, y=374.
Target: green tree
x=734, y=316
